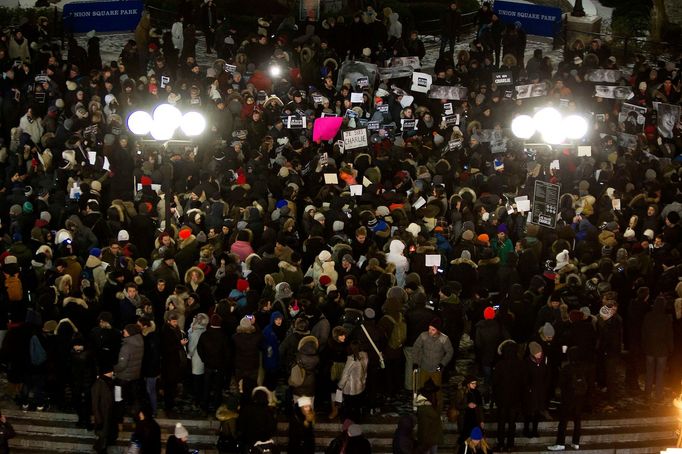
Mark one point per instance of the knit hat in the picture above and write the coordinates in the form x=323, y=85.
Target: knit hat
x=245, y=322
x=180, y=431
x=468, y=235
x=502, y=228
x=414, y=229
x=122, y=236
x=483, y=238
x=649, y=234
x=141, y=262
x=562, y=259
x=10, y=260
x=95, y=252
x=145, y=180
x=547, y=330
x=28, y=207
x=242, y=285
x=354, y=430
x=436, y=323
x=337, y=226
x=324, y=256
x=489, y=313
x=476, y=433
x=348, y=258
x=586, y=311
x=325, y=280
x=466, y=255
x=534, y=348
x=629, y=234
x=184, y=233
x=673, y=217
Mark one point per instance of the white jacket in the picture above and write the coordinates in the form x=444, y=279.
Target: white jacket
x=395, y=28
x=396, y=257
x=176, y=34
x=354, y=375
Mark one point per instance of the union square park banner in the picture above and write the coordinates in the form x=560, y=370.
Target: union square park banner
x=104, y=16
x=535, y=20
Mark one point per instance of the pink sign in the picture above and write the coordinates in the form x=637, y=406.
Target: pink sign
x=326, y=128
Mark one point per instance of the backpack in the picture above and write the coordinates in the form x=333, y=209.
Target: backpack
x=15, y=290
x=579, y=382
x=398, y=333
x=296, y=376
x=38, y=354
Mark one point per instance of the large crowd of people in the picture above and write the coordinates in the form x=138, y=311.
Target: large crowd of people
x=322, y=280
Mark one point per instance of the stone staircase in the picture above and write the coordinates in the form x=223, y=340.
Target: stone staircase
x=42, y=432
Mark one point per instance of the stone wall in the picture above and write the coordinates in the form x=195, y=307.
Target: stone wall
x=673, y=9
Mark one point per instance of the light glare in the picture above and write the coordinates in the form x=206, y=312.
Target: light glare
x=523, y=127
x=193, y=124
x=140, y=123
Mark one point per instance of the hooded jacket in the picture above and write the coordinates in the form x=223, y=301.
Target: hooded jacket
x=354, y=375
x=129, y=366
x=396, y=257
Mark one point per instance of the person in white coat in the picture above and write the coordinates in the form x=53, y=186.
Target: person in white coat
x=198, y=327
x=176, y=33
x=396, y=257
x=395, y=28
x=352, y=381
x=31, y=125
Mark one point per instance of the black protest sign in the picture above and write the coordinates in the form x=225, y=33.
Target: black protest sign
x=447, y=108
x=374, y=125
x=382, y=108
x=293, y=122
x=502, y=78
x=545, y=204
x=165, y=80
x=408, y=124
x=451, y=120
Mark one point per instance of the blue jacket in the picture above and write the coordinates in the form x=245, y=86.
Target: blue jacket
x=271, y=344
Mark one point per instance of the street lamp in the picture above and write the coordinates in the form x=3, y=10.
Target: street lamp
x=164, y=121
x=551, y=125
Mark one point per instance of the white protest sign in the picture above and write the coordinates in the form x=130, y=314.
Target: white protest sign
x=421, y=82
x=105, y=166
x=584, y=150
x=432, y=259
x=92, y=157
x=155, y=187
x=523, y=205
x=331, y=178
x=419, y=203
x=355, y=138
x=355, y=189
x=616, y=204
x=356, y=98
x=366, y=182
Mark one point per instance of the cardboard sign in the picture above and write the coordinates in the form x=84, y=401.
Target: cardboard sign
x=356, y=138
x=331, y=178
x=355, y=189
x=503, y=78
x=545, y=204
x=295, y=122
x=451, y=120
x=421, y=82
x=326, y=128
x=408, y=124
x=447, y=108
x=356, y=98
x=584, y=150
x=432, y=259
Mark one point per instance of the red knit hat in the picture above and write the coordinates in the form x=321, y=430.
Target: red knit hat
x=184, y=233
x=145, y=180
x=325, y=280
x=242, y=285
x=489, y=313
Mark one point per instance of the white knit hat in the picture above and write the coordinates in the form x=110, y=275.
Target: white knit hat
x=180, y=431
x=303, y=402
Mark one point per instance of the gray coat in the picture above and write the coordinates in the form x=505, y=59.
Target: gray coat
x=129, y=364
x=430, y=351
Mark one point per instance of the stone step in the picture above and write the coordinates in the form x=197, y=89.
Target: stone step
x=40, y=432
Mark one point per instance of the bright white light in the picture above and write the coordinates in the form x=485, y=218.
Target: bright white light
x=140, y=122
x=161, y=131
x=523, y=127
x=575, y=127
x=167, y=115
x=554, y=134
x=275, y=71
x=193, y=124
x=547, y=120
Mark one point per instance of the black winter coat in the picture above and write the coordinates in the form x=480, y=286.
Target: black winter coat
x=214, y=348
x=508, y=378
x=536, y=383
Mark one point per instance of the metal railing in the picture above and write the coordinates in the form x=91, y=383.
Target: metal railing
x=624, y=48
x=433, y=26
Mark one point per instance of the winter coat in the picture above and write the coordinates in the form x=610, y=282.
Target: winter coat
x=429, y=425
x=657, y=332
x=508, y=378
x=247, y=351
x=256, y=422
x=396, y=257
x=395, y=28
x=151, y=361
x=242, y=248
x=431, y=352
x=535, y=384
x=187, y=255
x=464, y=271
x=271, y=358
x=177, y=36
x=173, y=354
x=102, y=394
x=301, y=435
x=489, y=335
x=129, y=366
x=308, y=359
x=176, y=446
x=194, y=334
x=403, y=438
x=354, y=375
x=213, y=348
x=610, y=336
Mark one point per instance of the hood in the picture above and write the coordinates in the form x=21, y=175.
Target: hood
x=308, y=345
x=78, y=301
x=393, y=18
x=508, y=349
x=189, y=272
x=397, y=247
x=75, y=221
x=275, y=315
x=149, y=329
x=92, y=262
